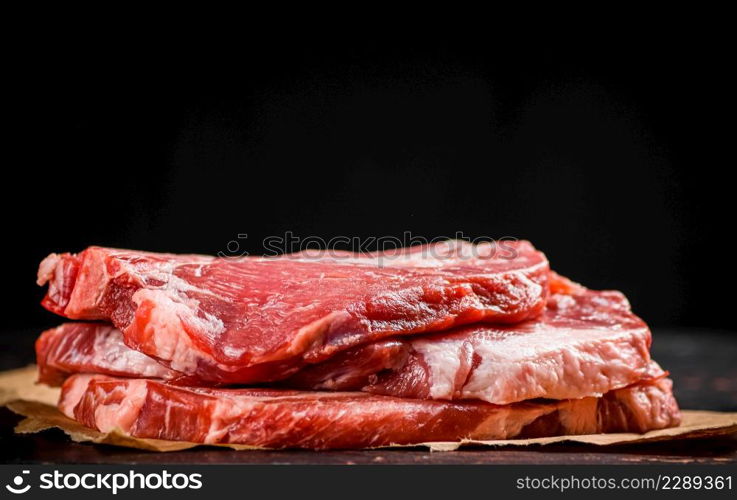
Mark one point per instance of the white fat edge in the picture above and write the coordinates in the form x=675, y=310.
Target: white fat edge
x=222, y=412
x=181, y=287
x=164, y=272
x=443, y=359
x=47, y=269
x=73, y=393
x=122, y=415
x=170, y=339
x=504, y=360
x=119, y=357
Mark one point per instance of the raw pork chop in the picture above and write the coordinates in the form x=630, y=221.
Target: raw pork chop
x=585, y=344
x=333, y=420
x=259, y=319
x=91, y=348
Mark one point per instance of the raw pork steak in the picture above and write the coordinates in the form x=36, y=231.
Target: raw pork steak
x=585, y=344
x=259, y=319
x=333, y=420
x=92, y=348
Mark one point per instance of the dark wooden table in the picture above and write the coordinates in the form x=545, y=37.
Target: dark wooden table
x=702, y=363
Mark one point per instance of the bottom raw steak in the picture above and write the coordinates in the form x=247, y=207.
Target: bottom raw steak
x=269, y=418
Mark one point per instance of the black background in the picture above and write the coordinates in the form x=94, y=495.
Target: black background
x=608, y=152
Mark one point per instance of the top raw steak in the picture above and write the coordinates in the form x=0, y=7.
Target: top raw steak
x=259, y=319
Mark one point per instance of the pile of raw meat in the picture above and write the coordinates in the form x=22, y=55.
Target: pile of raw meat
x=445, y=342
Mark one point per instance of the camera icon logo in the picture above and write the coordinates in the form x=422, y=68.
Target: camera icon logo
x=17, y=486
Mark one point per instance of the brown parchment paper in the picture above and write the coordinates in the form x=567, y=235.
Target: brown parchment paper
x=37, y=403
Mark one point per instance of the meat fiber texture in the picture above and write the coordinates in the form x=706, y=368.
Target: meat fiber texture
x=253, y=319
x=586, y=344
x=266, y=418
x=449, y=342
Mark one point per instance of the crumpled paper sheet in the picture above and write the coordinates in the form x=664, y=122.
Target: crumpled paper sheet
x=37, y=403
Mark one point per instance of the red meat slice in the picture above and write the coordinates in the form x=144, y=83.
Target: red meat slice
x=584, y=345
x=259, y=319
x=338, y=420
x=99, y=348
x=91, y=348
